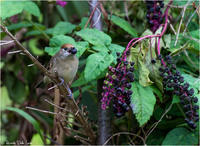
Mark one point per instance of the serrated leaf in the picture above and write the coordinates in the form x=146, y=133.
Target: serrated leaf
x=124, y=25
x=142, y=102
x=180, y=136
x=96, y=64
x=27, y=117
x=63, y=28
x=95, y=37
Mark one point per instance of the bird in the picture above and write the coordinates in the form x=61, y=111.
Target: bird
x=64, y=64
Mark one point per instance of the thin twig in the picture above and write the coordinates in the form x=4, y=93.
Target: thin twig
x=180, y=7
x=14, y=52
x=156, y=123
x=5, y=42
x=52, y=87
x=30, y=65
x=91, y=15
x=188, y=57
x=171, y=26
x=126, y=11
x=189, y=20
x=43, y=111
x=83, y=140
x=179, y=28
x=198, y=8
x=57, y=106
x=123, y=133
x=98, y=19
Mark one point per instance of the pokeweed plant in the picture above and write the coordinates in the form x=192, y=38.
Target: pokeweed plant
x=117, y=83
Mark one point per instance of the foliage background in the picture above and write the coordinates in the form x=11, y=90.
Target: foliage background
x=47, y=26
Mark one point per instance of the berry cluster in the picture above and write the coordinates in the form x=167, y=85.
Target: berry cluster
x=154, y=14
x=117, y=85
x=174, y=82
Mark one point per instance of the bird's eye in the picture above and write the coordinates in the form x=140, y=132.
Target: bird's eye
x=65, y=49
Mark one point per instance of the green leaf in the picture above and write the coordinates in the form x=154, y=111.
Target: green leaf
x=96, y=64
x=81, y=81
x=180, y=136
x=1, y=64
x=5, y=99
x=100, y=48
x=52, y=50
x=33, y=33
x=36, y=140
x=142, y=102
x=175, y=99
x=62, y=12
x=83, y=89
x=21, y=24
x=124, y=25
x=95, y=37
x=83, y=22
x=32, y=8
x=59, y=40
x=114, y=48
x=10, y=8
x=33, y=46
x=27, y=117
x=81, y=47
x=63, y=28
x=157, y=92
x=143, y=74
x=189, y=40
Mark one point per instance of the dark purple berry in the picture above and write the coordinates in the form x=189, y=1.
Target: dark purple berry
x=153, y=61
x=118, y=54
x=132, y=63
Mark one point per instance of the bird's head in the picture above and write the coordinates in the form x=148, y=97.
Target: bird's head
x=67, y=50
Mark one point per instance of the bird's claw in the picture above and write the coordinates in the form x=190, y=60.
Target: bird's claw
x=68, y=89
x=70, y=93
x=62, y=81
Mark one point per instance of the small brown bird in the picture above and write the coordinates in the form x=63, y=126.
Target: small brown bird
x=64, y=64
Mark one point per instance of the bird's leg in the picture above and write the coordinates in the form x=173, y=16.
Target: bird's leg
x=66, y=86
x=61, y=81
